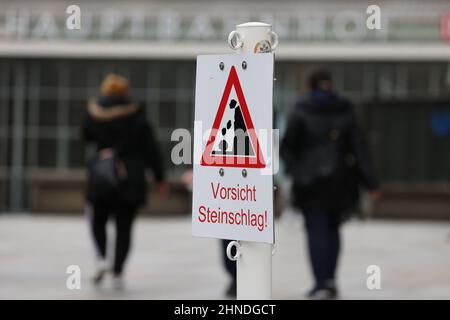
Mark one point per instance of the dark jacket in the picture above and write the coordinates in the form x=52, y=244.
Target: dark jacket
x=120, y=124
x=325, y=153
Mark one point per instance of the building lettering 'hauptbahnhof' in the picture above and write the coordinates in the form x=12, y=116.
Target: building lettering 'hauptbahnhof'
x=398, y=77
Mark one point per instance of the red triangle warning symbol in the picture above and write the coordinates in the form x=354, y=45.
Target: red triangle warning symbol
x=235, y=144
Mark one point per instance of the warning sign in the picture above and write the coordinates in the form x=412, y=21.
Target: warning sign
x=233, y=181
x=233, y=141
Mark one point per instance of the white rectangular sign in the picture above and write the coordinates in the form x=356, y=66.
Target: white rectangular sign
x=233, y=163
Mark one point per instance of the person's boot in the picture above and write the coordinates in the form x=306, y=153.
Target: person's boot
x=332, y=288
x=327, y=291
x=102, y=269
x=118, y=282
x=232, y=290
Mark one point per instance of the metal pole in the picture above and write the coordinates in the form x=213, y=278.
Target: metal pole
x=254, y=260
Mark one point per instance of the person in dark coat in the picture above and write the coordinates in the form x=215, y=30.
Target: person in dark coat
x=230, y=266
x=126, y=147
x=325, y=153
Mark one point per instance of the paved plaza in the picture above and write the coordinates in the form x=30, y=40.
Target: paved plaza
x=167, y=263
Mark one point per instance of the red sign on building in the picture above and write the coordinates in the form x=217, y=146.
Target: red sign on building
x=445, y=26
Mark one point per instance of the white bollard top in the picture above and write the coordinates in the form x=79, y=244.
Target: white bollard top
x=253, y=24
x=253, y=37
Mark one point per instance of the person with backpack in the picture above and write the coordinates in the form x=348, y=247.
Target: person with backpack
x=325, y=153
x=117, y=184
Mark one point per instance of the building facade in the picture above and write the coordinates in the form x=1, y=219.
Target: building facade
x=398, y=79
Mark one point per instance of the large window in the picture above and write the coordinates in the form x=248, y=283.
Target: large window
x=42, y=105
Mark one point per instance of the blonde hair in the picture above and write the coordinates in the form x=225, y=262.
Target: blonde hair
x=114, y=85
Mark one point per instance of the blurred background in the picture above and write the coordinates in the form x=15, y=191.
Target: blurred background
x=398, y=79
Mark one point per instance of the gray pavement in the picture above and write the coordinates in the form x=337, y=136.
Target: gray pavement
x=167, y=263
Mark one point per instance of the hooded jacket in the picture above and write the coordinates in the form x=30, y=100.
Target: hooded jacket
x=118, y=123
x=326, y=154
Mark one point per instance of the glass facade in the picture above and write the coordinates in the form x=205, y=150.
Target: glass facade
x=42, y=103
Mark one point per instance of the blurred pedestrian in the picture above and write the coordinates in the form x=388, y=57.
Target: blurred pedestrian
x=326, y=155
x=117, y=183
x=230, y=266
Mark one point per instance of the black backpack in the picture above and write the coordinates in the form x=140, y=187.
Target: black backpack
x=104, y=178
x=324, y=160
